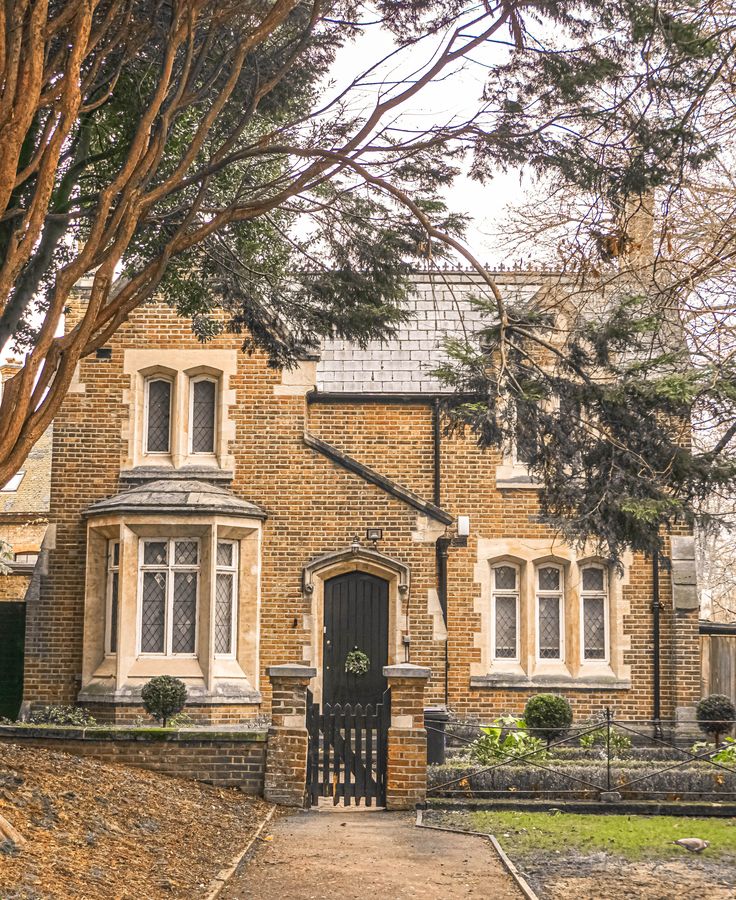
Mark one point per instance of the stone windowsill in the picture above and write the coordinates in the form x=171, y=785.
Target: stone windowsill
x=515, y=477
x=212, y=474
x=549, y=681
x=104, y=694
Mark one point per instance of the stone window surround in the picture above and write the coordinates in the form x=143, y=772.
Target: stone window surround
x=182, y=368
x=210, y=677
x=354, y=559
x=529, y=671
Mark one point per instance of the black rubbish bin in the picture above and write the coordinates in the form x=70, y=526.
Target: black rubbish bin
x=435, y=720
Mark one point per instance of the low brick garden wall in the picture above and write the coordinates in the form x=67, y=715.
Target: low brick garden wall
x=221, y=757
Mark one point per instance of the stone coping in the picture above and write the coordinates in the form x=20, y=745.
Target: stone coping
x=291, y=670
x=126, y=733
x=406, y=670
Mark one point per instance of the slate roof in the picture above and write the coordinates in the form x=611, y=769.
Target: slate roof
x=441, y=308
x=184, y=497
x=33, y=492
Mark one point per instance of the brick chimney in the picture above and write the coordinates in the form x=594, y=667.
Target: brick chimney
x=639, y=228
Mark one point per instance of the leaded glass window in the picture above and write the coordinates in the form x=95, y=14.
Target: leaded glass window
x=595, y=603
x=226, y=593
x=203, y=409
x=158, y=415
x=169, y=593
x=505, y=612
x=549, y=612
x=113, y=593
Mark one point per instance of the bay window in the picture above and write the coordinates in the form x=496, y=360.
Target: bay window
x=168, y=591
x=226, y=598
x=113, y=596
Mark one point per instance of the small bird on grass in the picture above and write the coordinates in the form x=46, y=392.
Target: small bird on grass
x=694, y=845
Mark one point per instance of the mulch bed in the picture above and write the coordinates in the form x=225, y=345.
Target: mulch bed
x=95, y=830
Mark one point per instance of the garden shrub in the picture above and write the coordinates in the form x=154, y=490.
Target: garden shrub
x=726, y=755
x=619, y=742
x=716, y=715
x=548, y=716
x=506, y=738
x=61, y=715
x=163, y=697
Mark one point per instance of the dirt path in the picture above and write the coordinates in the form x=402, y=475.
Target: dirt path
x=374, y=855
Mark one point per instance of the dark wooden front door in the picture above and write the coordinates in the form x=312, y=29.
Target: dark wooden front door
x=356, y=617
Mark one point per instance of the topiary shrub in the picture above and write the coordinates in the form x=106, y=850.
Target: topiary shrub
x=164, y=696
x=548, y=716
x=716, y=715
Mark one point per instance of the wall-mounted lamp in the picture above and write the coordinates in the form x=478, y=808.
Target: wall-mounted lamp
x=463, y=526
x=373, y=534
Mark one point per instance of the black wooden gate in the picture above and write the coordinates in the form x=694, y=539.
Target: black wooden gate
x=347, y=751
x=356, y=618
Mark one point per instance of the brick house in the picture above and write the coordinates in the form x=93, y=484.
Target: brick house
x=212, y=517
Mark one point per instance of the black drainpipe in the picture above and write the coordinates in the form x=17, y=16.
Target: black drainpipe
x=436, y=492
x=443, y=543
x=656, y=607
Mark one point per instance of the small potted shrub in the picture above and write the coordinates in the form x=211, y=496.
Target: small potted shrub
x=716, y=716
x=548, y=716
x=164, y=696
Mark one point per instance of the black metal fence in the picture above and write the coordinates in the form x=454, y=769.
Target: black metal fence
x=610, y=759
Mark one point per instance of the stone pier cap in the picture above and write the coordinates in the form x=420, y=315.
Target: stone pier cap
x=406, y=670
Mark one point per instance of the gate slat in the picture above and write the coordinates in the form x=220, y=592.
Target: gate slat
x=370, y=784
x=348, y=756
x=359, y=764
x=326, y=726
x=338, y=748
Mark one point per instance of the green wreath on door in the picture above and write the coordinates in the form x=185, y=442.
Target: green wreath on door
x=357, y=663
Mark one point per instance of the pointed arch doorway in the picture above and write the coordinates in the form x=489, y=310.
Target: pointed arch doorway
x=356, y=617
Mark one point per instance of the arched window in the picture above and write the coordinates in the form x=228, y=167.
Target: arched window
x=203, y=408
x=158, y=415
x=594, y=602
x=550, y=591
x=505, y=612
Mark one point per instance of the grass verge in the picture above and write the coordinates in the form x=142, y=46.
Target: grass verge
x=631, y=837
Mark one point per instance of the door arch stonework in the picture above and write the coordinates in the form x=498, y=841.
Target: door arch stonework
x=355, y=558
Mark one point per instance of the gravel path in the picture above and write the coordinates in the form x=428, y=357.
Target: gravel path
x=368, y=854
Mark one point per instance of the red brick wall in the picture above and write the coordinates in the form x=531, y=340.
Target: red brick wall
x=223, y=760
x=315, y=507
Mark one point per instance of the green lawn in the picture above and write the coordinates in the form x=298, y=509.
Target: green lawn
x=632, y=837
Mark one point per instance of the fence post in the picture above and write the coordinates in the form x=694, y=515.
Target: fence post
x=609, y=796
x=288, y=739
x=406, y=774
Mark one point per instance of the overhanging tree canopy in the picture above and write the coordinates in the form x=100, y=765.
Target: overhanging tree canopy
x=193, y=148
